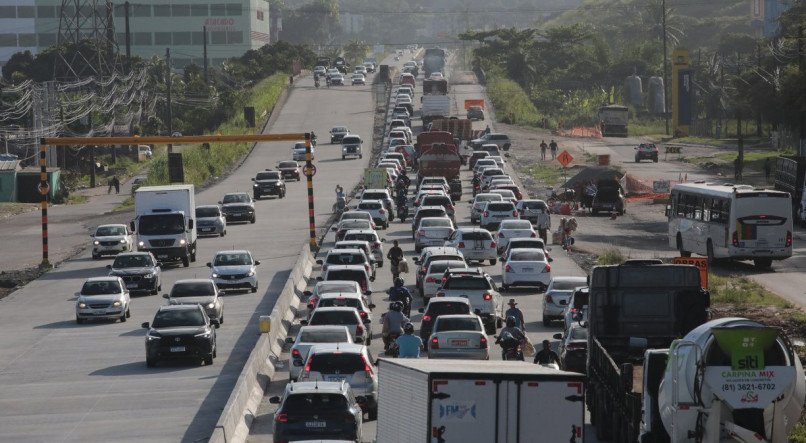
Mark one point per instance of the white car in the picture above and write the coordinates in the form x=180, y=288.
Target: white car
x=476, y=244
x=371, y=237
x=307, y=337
x=341, y=257
x=337, y=79
x=479, y=201
x=432, y=231
x=440, y=181
x=355, y=215
x=234, y=270
x=436, y=76
x=360, y=69
x=480, y=290
x=433, y=276
x=525, y=267
x=356, y=301
x=332, y=286
x=498, y=160
x=422, y=193
x=358, y=79
x=319, y=70
x=458, y=336
x=340, y=317
x=380, y=216
x=110, y=240
x=351, y=224
x=557, y=295
x=506, y=195
x=103, y=297
x=484, y=163
x=299, y=152
x=496, y=212
x=510, y=229
x=396, y=142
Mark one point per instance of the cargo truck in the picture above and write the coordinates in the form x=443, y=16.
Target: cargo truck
x=433, y=61
x=439, y=160
x=790, y=172
x=478, y=401
x=163, y=222
x=613, y=120
x=434, y=107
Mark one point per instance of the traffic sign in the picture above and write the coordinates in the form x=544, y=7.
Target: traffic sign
x=700, y=262
x=309, y=170
x=43, y=187
x=565, y=158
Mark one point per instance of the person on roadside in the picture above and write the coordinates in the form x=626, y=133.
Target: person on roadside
x=553, y=148
x=513, y=311
x=546, y=356
x=543, y=148
x=395, y=256
x=408, y=344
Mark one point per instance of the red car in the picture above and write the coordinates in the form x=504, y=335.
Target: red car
x=289, y=169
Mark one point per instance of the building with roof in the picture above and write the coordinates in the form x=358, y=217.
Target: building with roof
x=9, y=165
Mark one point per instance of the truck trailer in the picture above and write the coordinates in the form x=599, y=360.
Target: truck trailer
x=613, y=120
x=478, y=401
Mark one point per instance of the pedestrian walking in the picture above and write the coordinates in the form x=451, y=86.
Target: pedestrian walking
x=114, y=183
x=543, y=147
x=553, y=147
x=117, y=185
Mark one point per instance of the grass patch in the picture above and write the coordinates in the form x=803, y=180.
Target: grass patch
x=652, y=128
x=550, y=175
x=125, y=205
x=512, y=105
x=76, y=199
x=200, y=163
x=610, y=256
x=741, y=290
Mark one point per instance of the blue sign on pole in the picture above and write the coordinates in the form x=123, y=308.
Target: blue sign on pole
x=685, y=96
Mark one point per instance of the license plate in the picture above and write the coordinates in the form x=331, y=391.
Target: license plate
x=207, y=229
x=459, y=342
x=528, y=269
x=336, y=378
x=131, y=285
x=99, y=311
x=237, y=214
x=315, y=424
x=162, y=256
x=177, y=349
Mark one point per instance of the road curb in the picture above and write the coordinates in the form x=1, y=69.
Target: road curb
x=241, y=408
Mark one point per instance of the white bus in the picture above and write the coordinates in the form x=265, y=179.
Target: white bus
x=730, y=221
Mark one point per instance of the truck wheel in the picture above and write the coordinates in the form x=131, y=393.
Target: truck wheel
x=193, y=255
x=683, y=253
x=185, y=261
x=493, y=261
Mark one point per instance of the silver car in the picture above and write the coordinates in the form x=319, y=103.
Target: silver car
x=234, y=270
x=307, y=337
x=210, y=220
x=458, y=336
x=111, y=240
x=557, y=295
x=198, y=291
x=103, y=297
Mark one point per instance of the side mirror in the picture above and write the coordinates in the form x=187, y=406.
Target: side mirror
x=131, y=225
x=367, y=292
x=257, y=262
x=416, y=260
x=334, y=228
x=209, y=265
x=558, y=336
x=360, y=399
x=383, y=240
x=289, y=340
x=303, y=322
x=371, y=306
x=215, y=322
x=421, y=310
x=307, y=293
x=366, y=321
x=108, y=266
x=165, y=296
x=220, y=203
x=274, y=400
x=159, y=264
x=551, y=259
x=253, y=179
x=320, y=278
x=319, y=262
x=92, y=235
x=506, y=154
x=145, y=325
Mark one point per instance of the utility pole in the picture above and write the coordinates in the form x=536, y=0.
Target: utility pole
x=206, y=78
x=665, y=69
x=758, y=111
x=128, y=38
x=168, y=87
x=801, y=69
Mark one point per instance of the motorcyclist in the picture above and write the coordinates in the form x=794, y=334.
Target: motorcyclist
x=400, y=293
x=393, y=322
x=546, y=356
x=341, y=200
x=476, y=184
x=408, y=344
x=513, y=331
x=402, y=207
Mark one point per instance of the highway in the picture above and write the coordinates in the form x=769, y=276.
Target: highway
x=528, y=299
x=64, y=382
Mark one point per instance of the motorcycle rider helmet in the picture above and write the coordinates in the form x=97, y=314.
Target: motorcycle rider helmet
x=408, y=328
x=511, y=321
x=396, y=306
x=399, y=282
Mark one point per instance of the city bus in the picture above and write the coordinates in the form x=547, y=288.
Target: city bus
x=730, y=221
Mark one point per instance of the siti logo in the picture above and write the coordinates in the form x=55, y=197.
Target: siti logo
x=749, y=362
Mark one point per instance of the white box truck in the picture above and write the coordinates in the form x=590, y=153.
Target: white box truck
x=163, y=222
x=435, y=107
x=478, y=401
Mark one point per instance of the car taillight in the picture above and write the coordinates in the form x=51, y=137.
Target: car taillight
x=461, y=244
x=547, y=268
x=308, y=365
x=515, y=213
x=430, y=280
x=416, y=202
x=376, y=245
x=735, y=238
x=427, y=317
x=440, y=294
x=423, y=270
x=366, y=266
x=549, y=299
x=573, y=310
x=281, y=418
x=486, y=213
x=362, y=314
x=367, y=367
x=483, y=342
x=450, y=207
x=341, y=232
x=493, y=244
x=359, y=329
x=788, y=238
x=487, y=296
x=295, y=353
x=434, y=343
x=501, y=235
x=508, y=268
x=533, y=235
x=324, y=268
x=444, y=279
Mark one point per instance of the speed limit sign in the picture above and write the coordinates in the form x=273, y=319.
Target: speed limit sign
x=43, y=187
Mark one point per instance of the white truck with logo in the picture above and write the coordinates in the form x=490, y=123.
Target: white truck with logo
x=478, y=401
x=164, y=224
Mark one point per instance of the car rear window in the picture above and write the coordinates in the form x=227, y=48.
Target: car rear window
x=531, y=255
x=439, y=267
x=435, y=257
x=345, y=259
x=564, y=285
x=500, y=206
x=435, y=222
x=340, y=302
x=539, y=204
x=305, y=403
x=490, y=172
x=447, y=308
x=324, y=336
x=356, y=276
x=340, y=318
x=579, y=334
x=489, y=198
x=429, y=200
x=516, y=224
x=355, y=215
x=366, y=205
x=356, y=224
x=194, y=289
x=336, y=287
x=337, y=363
x=477, y=235
x=431, y=213
x=526, y=243
x=362, y=236
x=457, y=324
x=374, y=196
x=466, y=282
x=581, y=299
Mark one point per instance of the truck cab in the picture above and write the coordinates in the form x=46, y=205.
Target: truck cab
x=164, y=222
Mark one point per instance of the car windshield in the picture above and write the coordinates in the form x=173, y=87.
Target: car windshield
x=436, y=223
x=100, y=288
x=105, y=231
x=340, y=302
x=337, y=363
x=567, y=285
x=232, y=259
x=467, y=282
x=332, y=336
x=477, y=235
x=210, y=211
x=308, y=403
x=340, y=318
x=351, y=140
x=457, y=324
x=503, y=206
x=180, y=317
x=193, y=289
x=445, y=308
x=236, y=198
x=337, y=287
x=489, y=198
x=579, y=334
x=355, y=224
x=268, y=176
x=356, y=276
x=287, y=165
x=516, y=224
x=345, y=259
x=527, y=255
x=339, y=129
x=436, y=213
x=440, y=266
x=132, y=261
x=161, y=224
x=534, y=204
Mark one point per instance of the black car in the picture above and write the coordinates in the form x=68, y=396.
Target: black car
x=180, y=331
x=289, y=170
x=238, y=206
x=437, y=307
x=140, y=271
x=317, y=411
x=475, y=113
x=268, y=182
x=609, y=198
x=456, y=189
x=646, y=151
x=573, y=349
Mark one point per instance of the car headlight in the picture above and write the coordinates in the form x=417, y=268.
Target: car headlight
x=153, y=335
x=203, y=335
x=82, y=305
x=255, y=185
x=123, y=240
x=117, y=303
x=141, y=244
x=96, y=242
x=251, y=273
x=278, y=183
x=214, y=275
x=182, y=242
x=211, y=305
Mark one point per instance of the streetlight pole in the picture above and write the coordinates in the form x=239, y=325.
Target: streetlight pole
x=665, y=68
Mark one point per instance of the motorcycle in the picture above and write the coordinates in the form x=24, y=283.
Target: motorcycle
x=390, y=348
x=510, y=347
x=316, y=83
x=403, y=212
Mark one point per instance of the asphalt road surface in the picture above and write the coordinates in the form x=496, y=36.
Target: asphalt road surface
x=60, y=381
x=528, y=299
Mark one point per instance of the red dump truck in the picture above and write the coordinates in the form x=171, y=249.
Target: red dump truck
x=428, y=138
